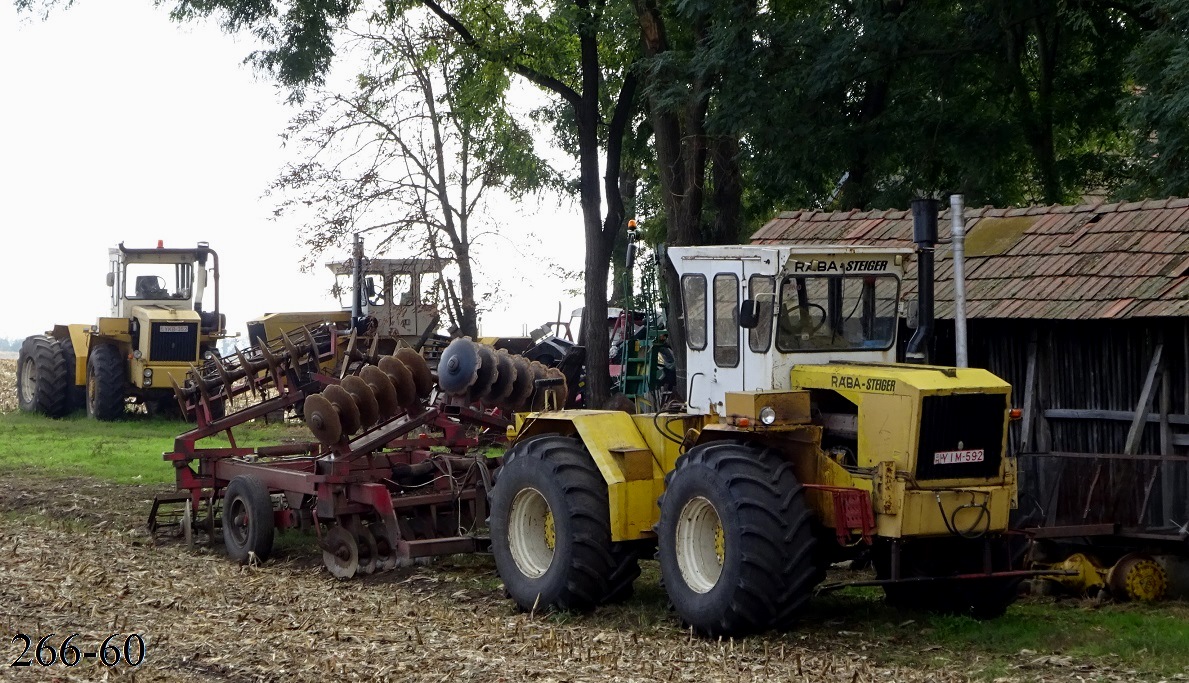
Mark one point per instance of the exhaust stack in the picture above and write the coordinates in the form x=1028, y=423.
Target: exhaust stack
x=924, y=233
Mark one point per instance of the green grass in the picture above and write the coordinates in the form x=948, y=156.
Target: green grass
x=1152, y=640
x=126, y=452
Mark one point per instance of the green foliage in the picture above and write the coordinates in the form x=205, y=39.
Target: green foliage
x=1159, y=107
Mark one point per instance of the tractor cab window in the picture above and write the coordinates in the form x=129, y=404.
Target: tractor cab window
x=837, y=313
x=430, y=289
x=726, y=320
x=693, y=301
x=375, y=289
x=403, y=292
x=158, y=281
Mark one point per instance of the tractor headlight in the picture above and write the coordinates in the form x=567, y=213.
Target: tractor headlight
x=137, y=354
x=148, y=373
x=767, y=415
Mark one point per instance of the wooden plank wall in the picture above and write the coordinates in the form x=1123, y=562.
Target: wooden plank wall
x=1089, y=378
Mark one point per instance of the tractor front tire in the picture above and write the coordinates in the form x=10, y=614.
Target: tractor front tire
x=107, y=376
x=42, y=378
x=248, y=524
x=736, y=540
x=550, y=529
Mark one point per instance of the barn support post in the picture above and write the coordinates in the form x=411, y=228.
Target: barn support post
x=1168, y=470
x=1136, y=432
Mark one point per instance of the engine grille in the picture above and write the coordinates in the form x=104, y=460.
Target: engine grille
x=961, y=423
x=173, y=342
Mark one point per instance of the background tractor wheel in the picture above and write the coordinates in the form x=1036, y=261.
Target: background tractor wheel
x=42, y=377
x=76, y=394
x=736, y=540
x=107, y=375
x=248, y=524
x=550, y=531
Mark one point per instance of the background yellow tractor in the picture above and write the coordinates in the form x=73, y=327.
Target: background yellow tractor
x=158, y=326
x=802, y=444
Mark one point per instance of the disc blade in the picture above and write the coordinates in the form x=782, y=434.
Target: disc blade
x=416, y=364
x=522, y=384
x=340, y=552
x=402, y=381
x=365, y=399
x=458, y=367
x=350, y=354
x=505, y=379
x=323, y=420
x=385, y=554
x=292, y=350
x=345, y=405
x=382, y=389
x=488, y=372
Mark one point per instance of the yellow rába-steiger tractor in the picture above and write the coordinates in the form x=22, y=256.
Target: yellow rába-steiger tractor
x=802, y=444
x=157, y=328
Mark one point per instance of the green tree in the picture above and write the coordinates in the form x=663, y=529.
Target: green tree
x=1159, y=110
x=413, y=152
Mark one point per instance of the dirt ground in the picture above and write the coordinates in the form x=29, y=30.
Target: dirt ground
x=75, y=558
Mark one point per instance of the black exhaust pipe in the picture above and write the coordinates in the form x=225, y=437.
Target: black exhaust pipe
x=924, y=233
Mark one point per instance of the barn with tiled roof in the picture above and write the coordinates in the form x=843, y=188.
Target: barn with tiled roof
x=1085, y=310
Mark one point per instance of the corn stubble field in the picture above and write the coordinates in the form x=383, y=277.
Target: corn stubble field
x=75, y=558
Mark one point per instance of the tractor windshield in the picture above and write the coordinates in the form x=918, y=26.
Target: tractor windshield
x=837, y=313
x=158, y=281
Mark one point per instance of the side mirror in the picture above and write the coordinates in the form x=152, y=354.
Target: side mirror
x=749, y=314
x=111, y=279
x=911, y=312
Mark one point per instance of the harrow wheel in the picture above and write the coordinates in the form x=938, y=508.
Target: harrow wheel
x=340, y=552
x=549, y=526
x=248, y=525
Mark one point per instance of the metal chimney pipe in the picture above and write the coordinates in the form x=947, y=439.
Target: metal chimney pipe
x=356, y=280
x=958, y=233
x=924, y=233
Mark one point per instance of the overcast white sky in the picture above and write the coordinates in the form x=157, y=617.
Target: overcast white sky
x=117, y=124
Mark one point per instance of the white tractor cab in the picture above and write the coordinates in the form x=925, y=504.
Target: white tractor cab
x=813, y=305
x=399, y=294
x=173, y=279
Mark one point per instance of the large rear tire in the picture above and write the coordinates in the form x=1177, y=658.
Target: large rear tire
x=736, y=540
x=107, y=377
x=550, y=529
x=42, y=377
